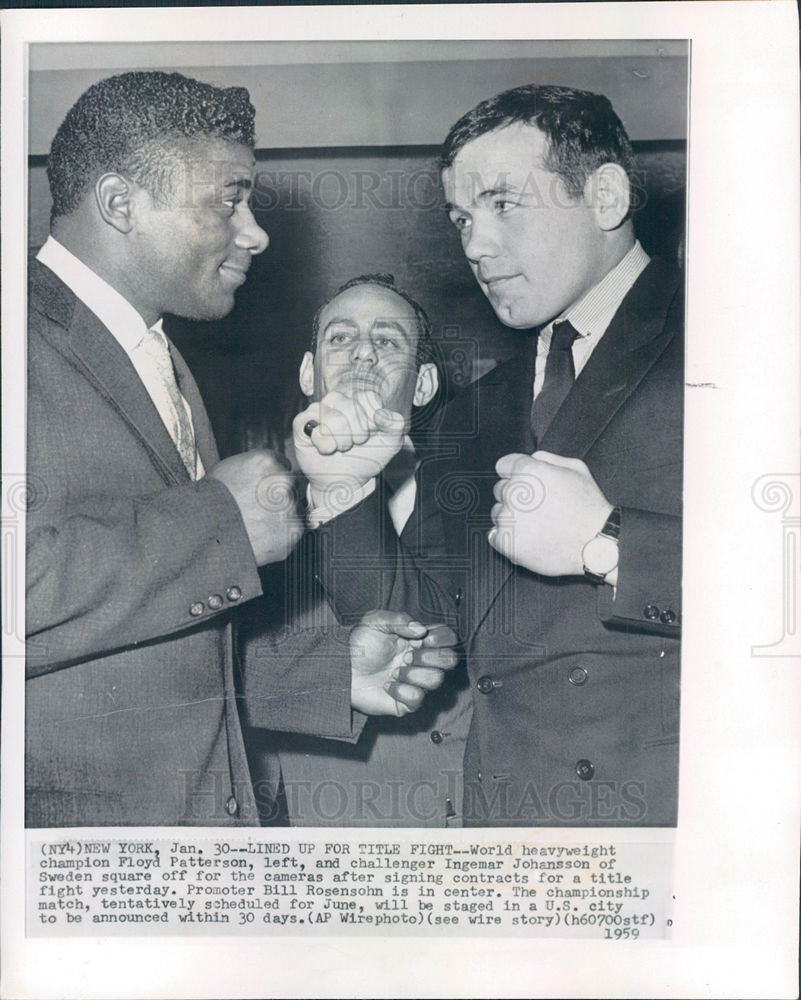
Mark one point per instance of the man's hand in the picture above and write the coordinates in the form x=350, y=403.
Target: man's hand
x=394, y=661
x=548, y=508
x=351, y=443
x=264, y=491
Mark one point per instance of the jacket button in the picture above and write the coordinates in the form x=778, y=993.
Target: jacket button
x=668, y=617
x=457, y=597
x=196, y=609
x=585, y=769
x=578, y=675
x=215, y=602
x=651, y=612
x=233, y=593
x=231, y=806
x=485, y=685
x=436, y=736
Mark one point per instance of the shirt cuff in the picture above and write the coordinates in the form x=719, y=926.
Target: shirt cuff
x=340, y=501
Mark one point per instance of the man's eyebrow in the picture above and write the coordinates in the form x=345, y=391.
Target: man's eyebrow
x=392, y=324
x=340, y=321
x=484, y=195
x=499, y=189
x=239, y=182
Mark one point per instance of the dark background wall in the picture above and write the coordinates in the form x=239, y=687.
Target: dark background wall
x=336, y=210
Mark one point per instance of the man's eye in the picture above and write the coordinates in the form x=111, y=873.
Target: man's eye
x=460, y=221
x=231, y=204
x=503, y=205
x=385, y=342
x=338, y=339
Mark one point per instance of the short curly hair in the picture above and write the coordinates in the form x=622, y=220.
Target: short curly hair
x=582, y=129
x=138, y=123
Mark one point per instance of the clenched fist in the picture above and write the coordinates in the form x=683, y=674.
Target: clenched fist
x=351, y=442
x=548, y=508
x=265, y=493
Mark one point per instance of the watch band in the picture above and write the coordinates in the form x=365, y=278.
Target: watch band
x=610, y=530
x=611, y=526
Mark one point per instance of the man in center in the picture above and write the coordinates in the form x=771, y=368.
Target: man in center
x=371, y=338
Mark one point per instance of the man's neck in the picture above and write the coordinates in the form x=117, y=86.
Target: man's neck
x=100, y=256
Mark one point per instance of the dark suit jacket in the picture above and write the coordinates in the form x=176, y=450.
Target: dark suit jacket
x=131, y=715
x=402, y=772
x=575, y=693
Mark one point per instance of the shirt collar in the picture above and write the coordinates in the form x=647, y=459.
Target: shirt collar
x=593, y=312
x=113, y=310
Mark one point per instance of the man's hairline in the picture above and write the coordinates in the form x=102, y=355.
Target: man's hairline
x=499, y=128
x=186, y=155
x=543, y=155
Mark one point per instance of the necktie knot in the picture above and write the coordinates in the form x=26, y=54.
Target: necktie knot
x=563, y=335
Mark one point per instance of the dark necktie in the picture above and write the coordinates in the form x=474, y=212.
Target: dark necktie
x=559, y=377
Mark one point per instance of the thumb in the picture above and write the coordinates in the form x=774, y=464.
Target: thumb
x=394, y=623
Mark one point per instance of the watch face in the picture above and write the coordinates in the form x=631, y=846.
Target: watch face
x=600, y=555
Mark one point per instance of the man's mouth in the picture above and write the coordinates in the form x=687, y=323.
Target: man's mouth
x=238, y=275
x=363, y=382
x=497, y=281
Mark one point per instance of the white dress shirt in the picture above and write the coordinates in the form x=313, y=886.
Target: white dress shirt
x=592, y=314
x=400, y=504
x=126, y=326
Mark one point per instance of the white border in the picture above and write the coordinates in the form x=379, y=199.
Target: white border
x=737, y=857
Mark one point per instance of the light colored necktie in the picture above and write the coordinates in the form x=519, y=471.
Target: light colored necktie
x=155, y=346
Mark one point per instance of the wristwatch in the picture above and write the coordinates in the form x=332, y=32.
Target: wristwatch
x=600, y=555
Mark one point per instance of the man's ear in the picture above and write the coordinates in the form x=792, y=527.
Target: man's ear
x=115, y=198
x=306, y=374
x=427, y=384
x=609, y=191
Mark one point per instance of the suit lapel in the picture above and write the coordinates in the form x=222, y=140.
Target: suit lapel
x=502, y=418
x=634, y=341
x=90, y=346
x=632, y=344
x=504, y=406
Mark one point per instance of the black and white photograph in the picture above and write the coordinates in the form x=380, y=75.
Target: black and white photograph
x=195, y=656
x=372, y=469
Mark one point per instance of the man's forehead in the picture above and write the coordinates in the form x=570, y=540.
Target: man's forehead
x=497, y=160
x=218, y=159
x=368, y=302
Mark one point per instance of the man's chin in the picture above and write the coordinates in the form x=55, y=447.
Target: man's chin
x=512, y=316
x=209, y=311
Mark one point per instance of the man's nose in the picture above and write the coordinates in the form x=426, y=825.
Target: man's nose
x=363, y=350
x=479, y=242
x=250, y=235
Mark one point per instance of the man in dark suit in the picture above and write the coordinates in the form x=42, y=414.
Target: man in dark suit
x=370, y=336
x=559, y=503
x=143, y=543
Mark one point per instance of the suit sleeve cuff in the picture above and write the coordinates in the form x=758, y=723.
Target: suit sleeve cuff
x=337, y=502
x=302, y=685
x=647, y=596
